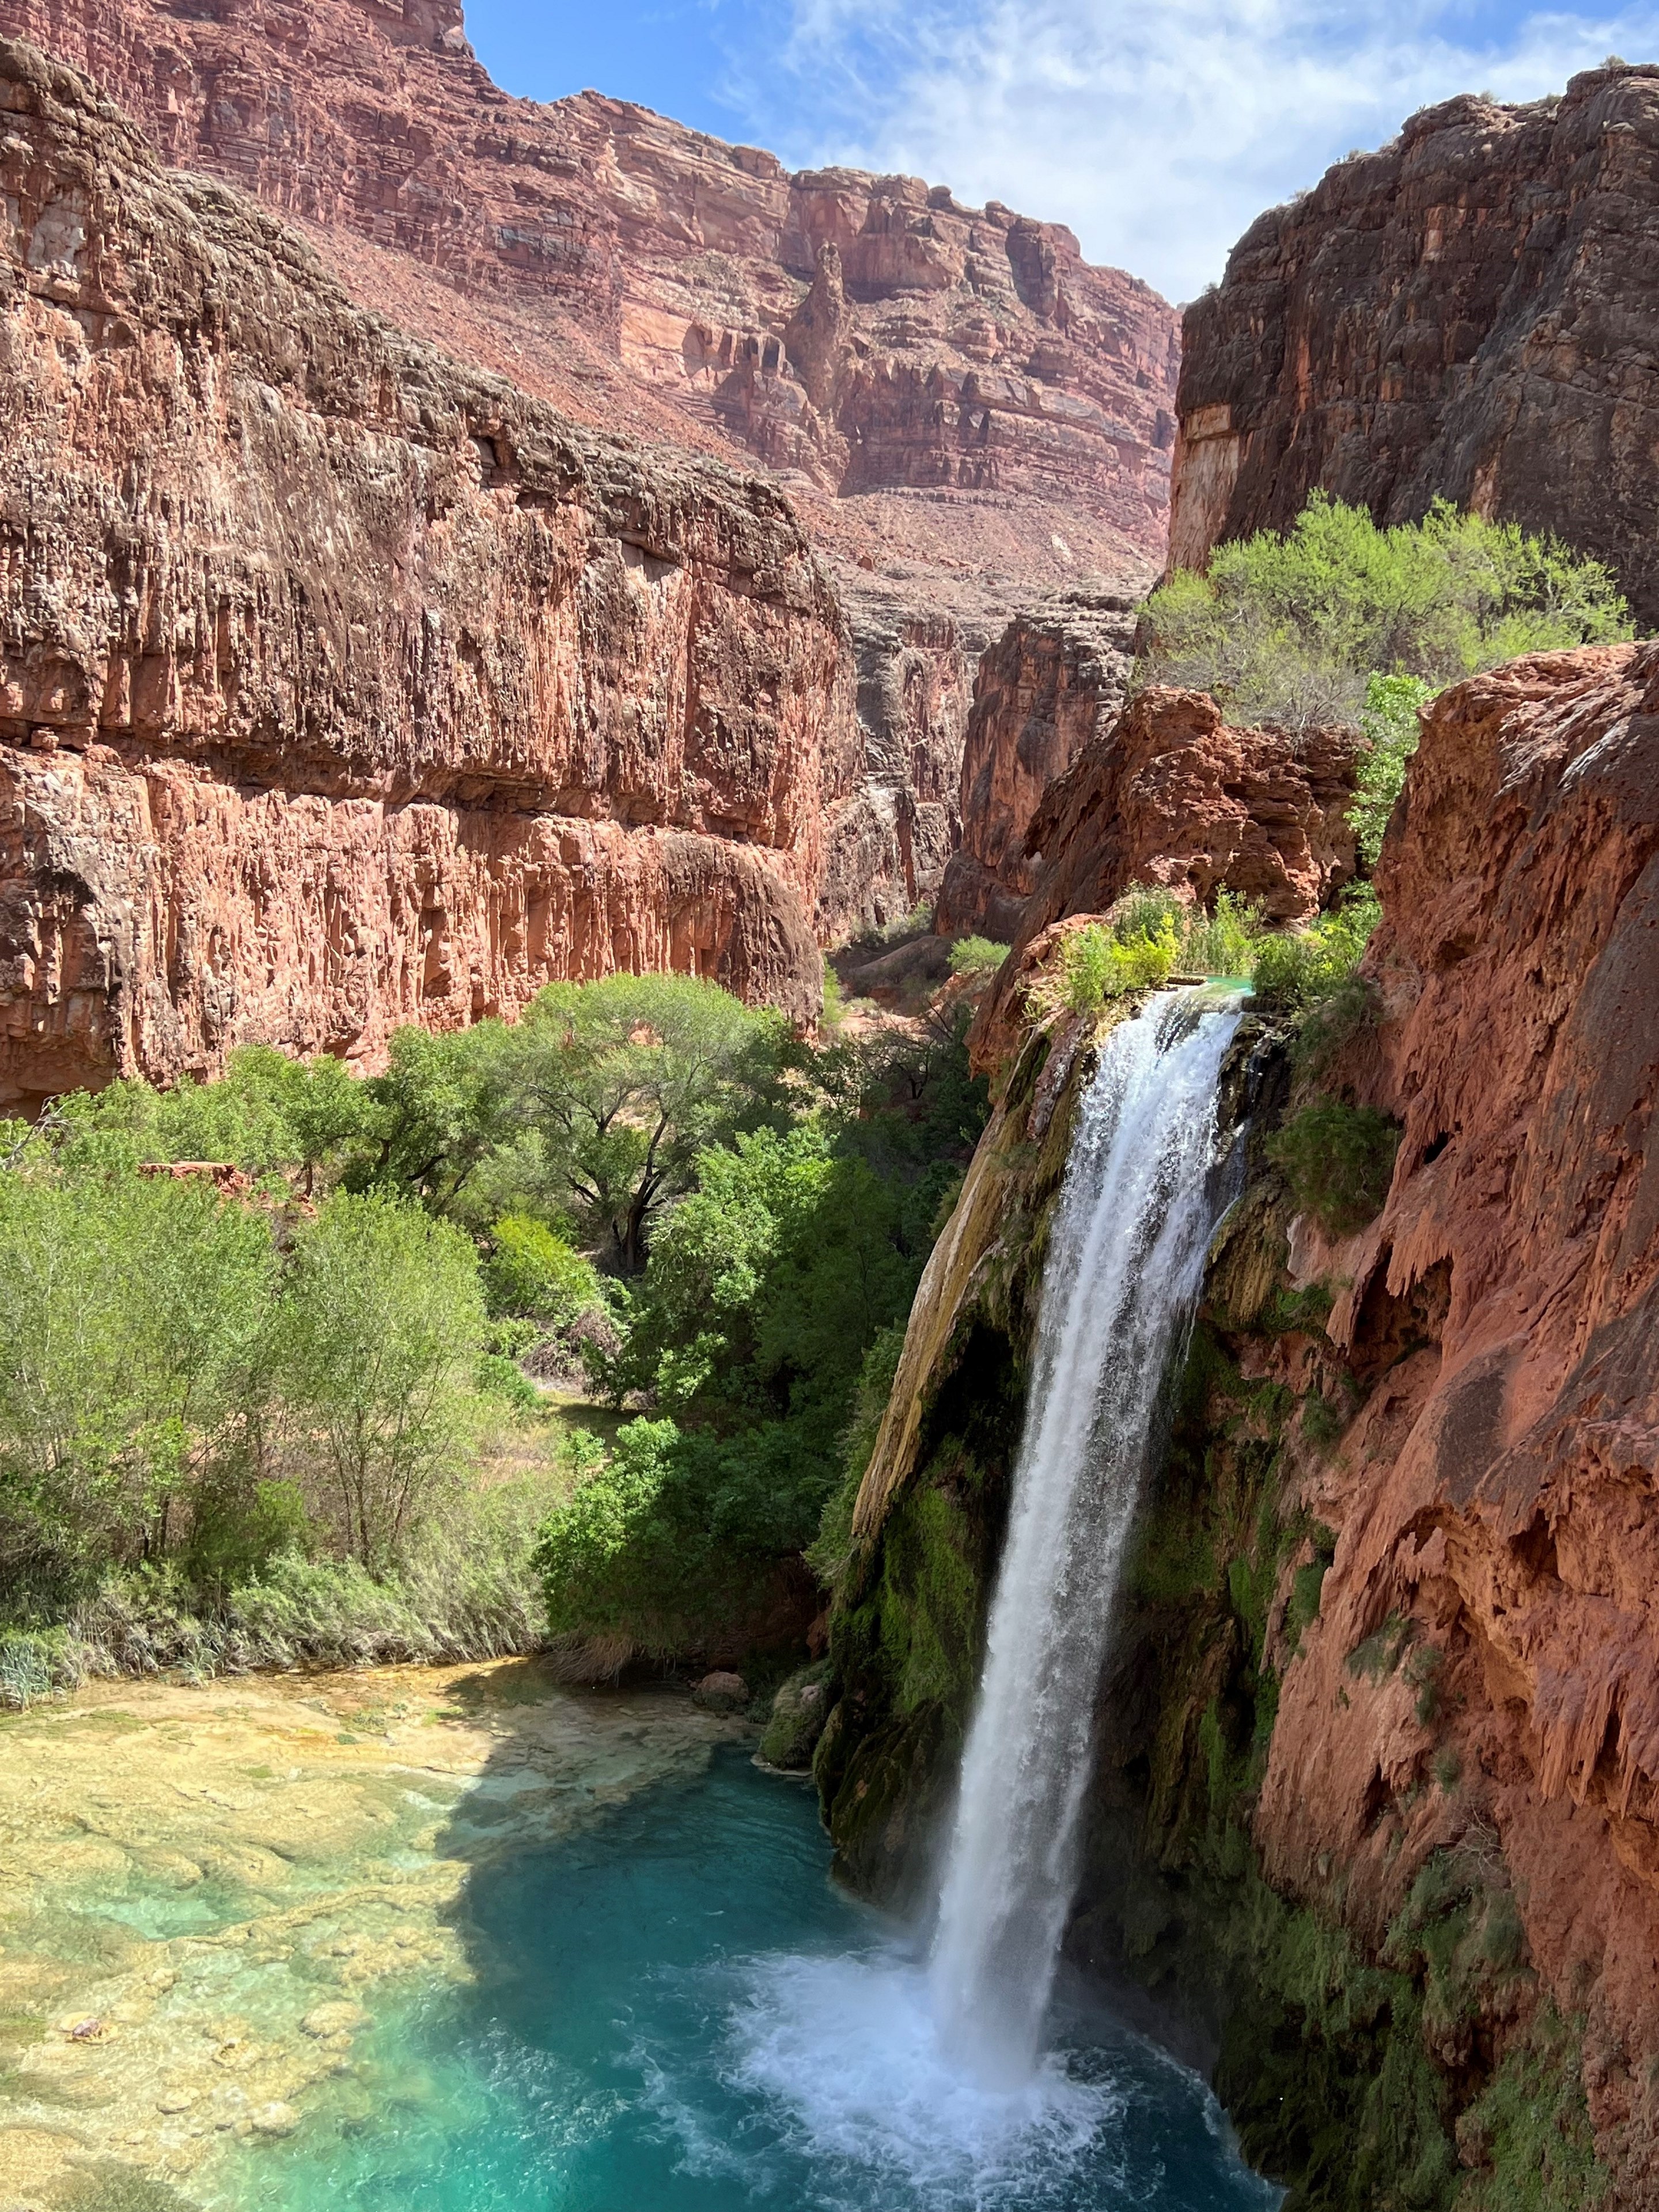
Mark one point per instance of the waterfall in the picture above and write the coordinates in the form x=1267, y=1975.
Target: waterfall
x=1136, y=1212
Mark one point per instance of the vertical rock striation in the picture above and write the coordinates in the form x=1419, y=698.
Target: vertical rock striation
x=1466, y=312
x=341, y=686
x=1051, y=684
x=951, y=396
x=1497, y=1499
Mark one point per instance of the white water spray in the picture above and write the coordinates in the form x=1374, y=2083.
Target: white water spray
x=1135, y=1219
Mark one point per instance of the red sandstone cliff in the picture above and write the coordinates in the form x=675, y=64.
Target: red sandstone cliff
x=1466, y=312
x=961, y=407
x=1172, y=795
x=1497, y=1493
x=340, y=685
x=1050, y=685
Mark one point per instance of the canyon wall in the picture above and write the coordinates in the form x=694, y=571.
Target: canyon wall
x=1375, y=1813
x=1170, y=794
x=341, y=685
x=1047, y=689
x=965, y=412
x=1467, y=313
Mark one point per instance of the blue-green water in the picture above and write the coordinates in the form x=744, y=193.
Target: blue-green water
x=674, y=2011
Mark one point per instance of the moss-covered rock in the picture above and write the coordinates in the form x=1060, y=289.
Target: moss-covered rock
x=799, y=1712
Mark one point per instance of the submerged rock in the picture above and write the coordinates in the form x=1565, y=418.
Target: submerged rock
x=161, y=2028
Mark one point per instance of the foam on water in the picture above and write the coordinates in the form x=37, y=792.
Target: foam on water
x=675, y=2011
x=849, y=2049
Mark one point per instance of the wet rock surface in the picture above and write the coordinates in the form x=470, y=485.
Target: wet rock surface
x=209, y=1893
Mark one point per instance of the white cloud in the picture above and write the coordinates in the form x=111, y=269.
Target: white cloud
x=1158, y=129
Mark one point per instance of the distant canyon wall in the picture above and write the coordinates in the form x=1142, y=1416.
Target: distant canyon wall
x=341, y=685
x=965, y=414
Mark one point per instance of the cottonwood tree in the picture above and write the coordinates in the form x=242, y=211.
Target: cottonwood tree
x=624, y=1082
x=377, y=1342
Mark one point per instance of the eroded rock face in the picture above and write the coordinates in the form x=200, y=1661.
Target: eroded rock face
x=1466, y=312
x=952, y=397
x=341, y=686
x=1497, y=1495
x=886, y=845
x=1173, y=795
x=1052, y=684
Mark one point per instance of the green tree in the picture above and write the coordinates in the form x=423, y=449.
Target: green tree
x=1390, y=720
x=376, y=1345
x=266, y=1113
x=1290, y=629
x=130, y=1314
x=436, y=1116
x=625, y=1081
x=532, y=1274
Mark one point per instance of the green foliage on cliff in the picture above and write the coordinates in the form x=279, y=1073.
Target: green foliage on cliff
x=1290, y=629
x=1339, y=621
x=1338, y=1161
x=1388, y=719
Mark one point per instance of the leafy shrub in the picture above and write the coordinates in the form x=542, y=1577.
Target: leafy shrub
x=1338, y=1160
x=1388, y=719
x=1290, y=629
x=1138, y=950
x=631, y=1556
x=376, y=1347
x=532, y=1274
x=1227, y=943
x=977, y=955
x=131, y=1314
x=1304, y=969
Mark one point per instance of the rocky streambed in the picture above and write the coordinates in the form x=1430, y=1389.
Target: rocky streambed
x=209, y=1894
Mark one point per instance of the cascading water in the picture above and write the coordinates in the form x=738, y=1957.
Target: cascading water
x=672, y=2007
x=1136, y=1212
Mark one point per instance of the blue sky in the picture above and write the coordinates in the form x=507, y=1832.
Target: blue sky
x=1158, y=129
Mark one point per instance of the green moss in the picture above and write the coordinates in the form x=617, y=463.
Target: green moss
x=1530, y=2128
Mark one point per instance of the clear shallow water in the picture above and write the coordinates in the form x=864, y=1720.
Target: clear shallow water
x=675, y=2012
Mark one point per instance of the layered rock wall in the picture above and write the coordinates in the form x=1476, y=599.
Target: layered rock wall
x=340, y=685
x=1172, y=795
x=963, y=410
x=1497, y=1499
x=1051, y=684
x=1467, y=313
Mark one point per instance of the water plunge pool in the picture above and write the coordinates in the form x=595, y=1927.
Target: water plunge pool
x=672, y=2010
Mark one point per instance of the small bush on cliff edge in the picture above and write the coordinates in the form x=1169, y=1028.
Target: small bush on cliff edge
x=1338, y=1161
